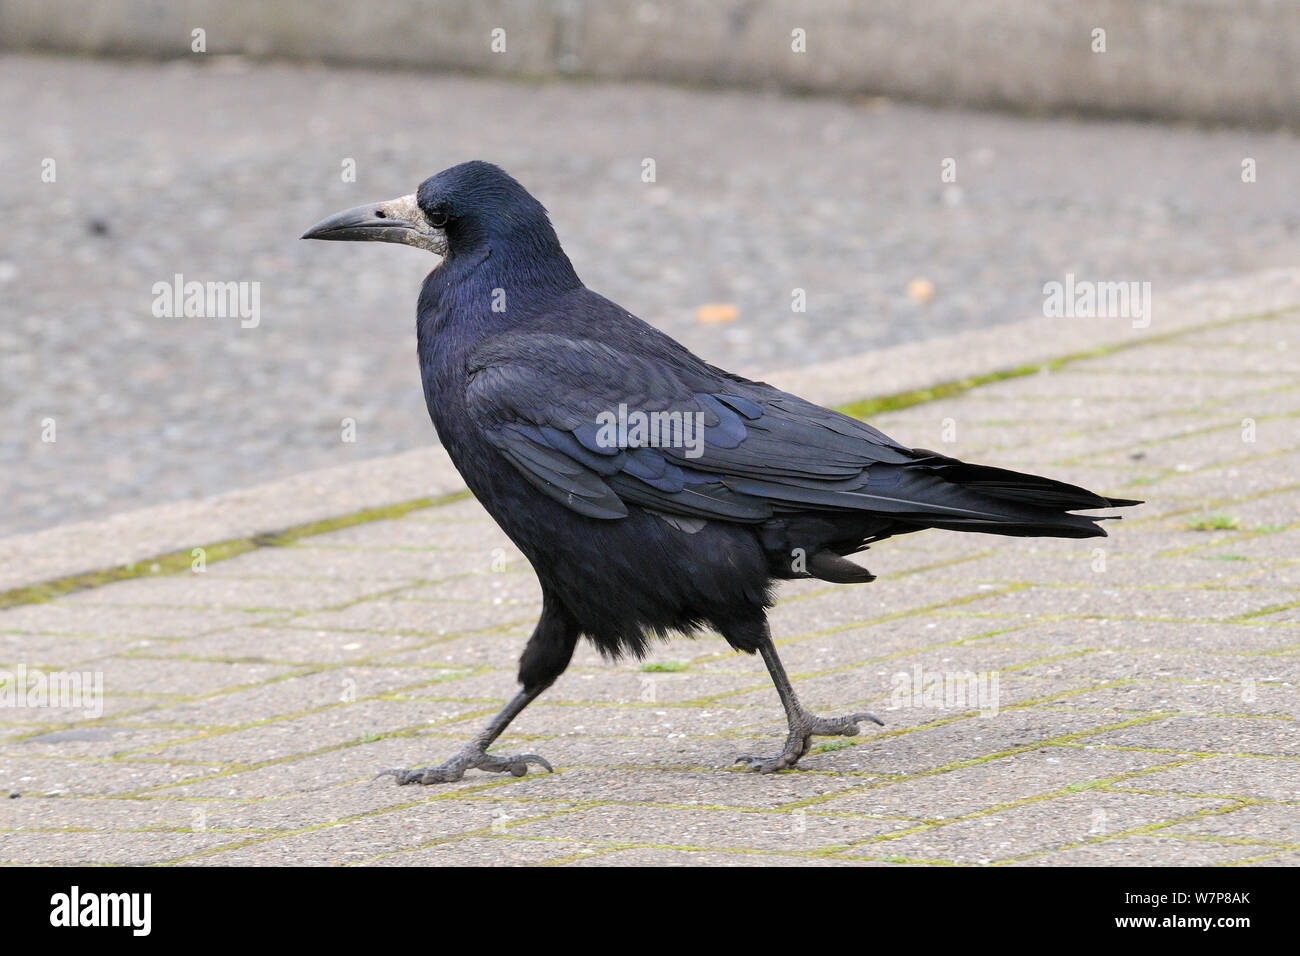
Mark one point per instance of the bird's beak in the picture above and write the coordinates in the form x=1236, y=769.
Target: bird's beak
x=397, y=220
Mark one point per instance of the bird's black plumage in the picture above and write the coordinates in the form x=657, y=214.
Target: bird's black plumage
x=523, y=367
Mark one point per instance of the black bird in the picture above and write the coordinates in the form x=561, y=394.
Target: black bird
x=715, y=488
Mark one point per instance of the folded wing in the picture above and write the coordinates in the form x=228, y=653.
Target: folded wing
x=743, y=451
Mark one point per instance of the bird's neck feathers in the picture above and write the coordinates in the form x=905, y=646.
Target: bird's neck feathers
x=494, y=280
x=496, y=285
x=523, y=254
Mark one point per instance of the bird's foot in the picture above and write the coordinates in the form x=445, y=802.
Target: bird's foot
x=802, y=732
x=472, y=757
x=796, y=745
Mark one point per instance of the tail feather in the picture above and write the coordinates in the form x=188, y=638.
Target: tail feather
x=933, y=492
x=1028, y=505
x=1027, y=489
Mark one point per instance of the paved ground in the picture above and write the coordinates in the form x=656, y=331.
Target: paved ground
x=213, y=168
x=1144, y=710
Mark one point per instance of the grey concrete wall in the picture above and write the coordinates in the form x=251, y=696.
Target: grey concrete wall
x=1232, y=61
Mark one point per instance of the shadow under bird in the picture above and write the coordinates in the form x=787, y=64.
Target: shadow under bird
x=540, y=391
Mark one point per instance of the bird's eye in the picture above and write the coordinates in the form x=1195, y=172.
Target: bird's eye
x=437, y=219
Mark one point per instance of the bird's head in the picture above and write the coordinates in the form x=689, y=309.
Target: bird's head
x=467, y=207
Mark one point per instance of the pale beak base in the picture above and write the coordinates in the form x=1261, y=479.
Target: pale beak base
x=397, y=220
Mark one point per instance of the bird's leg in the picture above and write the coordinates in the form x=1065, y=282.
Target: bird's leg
x=545, y=658
x=803, y=725
x=474, y=755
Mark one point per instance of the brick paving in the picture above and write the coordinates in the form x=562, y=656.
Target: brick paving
x=1144, y=711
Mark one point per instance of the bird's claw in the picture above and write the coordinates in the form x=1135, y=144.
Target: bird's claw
x=796, y=745
x=471, y=758
x=783, y=761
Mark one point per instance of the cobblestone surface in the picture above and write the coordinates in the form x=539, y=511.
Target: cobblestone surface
x=211, y=169
x=1144, y=712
